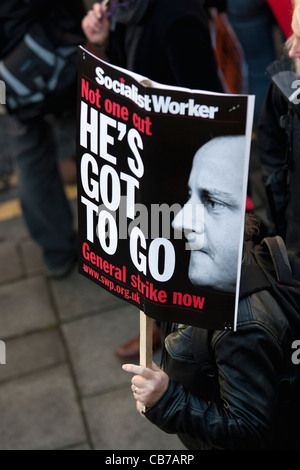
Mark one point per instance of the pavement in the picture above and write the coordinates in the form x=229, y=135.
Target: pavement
x=62, y=387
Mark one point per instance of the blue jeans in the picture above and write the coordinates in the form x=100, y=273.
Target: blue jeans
x=252, y=22
x=46, y=209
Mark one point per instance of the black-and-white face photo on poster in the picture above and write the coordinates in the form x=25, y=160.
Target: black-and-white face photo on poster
x=162, y=182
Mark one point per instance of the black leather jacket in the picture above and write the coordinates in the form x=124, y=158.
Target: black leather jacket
x=232, y=403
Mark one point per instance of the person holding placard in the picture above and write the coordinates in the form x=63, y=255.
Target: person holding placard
x=220, y=389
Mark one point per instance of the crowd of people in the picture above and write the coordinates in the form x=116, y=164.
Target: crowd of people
x=236, y=405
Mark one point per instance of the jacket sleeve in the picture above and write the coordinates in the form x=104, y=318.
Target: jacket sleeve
x=244, y=417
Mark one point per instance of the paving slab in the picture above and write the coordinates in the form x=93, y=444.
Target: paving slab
x=13, y=230
x=25, y=306
x=31, y=256
x=84, y=446
x=77, y=295
x=92, y=342
x=115, y=424
x=32, y=353
x=10, y=263
x=40, y=412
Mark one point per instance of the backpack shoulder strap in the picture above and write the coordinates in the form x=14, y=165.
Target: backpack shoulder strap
x=272, y=267
x=277, y=250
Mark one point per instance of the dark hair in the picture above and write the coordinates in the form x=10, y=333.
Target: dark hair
x=252, y=227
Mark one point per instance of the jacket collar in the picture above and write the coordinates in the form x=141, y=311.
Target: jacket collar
x=282, y=74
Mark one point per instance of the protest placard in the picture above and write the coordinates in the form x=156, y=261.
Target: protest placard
x=152, y=161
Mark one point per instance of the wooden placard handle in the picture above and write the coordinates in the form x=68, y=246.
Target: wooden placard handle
x=146, y=335
x=146, y=340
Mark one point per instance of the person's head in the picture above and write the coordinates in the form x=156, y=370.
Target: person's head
x=293, y=43
x=213, y=231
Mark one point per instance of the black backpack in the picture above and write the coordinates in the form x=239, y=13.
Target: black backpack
x=40, y=72
x=40, y=78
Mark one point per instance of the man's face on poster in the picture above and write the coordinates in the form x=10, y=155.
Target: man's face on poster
x=213, y=230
